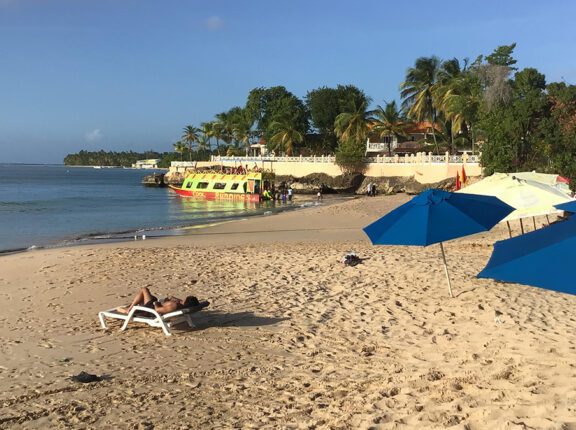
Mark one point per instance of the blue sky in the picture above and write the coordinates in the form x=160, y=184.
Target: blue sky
x=130, y=74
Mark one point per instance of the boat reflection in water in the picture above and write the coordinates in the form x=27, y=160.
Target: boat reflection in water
x=189, y=211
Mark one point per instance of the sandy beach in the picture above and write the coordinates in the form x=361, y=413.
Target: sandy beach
x=293, y=339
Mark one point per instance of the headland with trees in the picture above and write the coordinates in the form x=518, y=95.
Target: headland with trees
x=513, y=117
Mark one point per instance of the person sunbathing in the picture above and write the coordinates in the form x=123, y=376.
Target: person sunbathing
x=170, y=304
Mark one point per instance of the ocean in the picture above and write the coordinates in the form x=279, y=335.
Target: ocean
x=51, y=205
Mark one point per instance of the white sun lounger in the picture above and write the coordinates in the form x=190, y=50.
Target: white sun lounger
x=165, y=321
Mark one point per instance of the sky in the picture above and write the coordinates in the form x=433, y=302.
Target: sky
x=130, y=74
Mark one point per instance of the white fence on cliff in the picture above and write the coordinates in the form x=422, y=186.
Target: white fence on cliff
x=418, y=158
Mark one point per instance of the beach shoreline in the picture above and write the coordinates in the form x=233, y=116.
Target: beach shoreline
x=292, y=338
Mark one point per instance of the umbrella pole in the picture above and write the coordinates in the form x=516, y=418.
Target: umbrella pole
x=548, y=219
x=446, y=270
x=509, y=229
x=521, y=226
x=534, y=222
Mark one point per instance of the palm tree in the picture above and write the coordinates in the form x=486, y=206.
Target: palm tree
x=418, y=91
x=461, y=104
x=448, y=73
x=180, y=148
x=207, y=129
x=388, y=122
x=285, y=136
x=458, y=97
x=203, y=144
x=354, y=124
x=242, y=126
x=227, y=127
x=217, y=133
x=190, y=136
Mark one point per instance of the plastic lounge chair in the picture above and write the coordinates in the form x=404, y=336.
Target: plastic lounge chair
x=165, y=321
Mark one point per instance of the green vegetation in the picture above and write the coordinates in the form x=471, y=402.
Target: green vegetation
x=513, y=117
x=127, y=158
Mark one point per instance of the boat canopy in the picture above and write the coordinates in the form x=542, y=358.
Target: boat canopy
x=246, y=183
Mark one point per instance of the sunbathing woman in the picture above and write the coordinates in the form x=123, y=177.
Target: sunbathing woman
x=147, y=299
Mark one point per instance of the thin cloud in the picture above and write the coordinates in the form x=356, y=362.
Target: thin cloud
x=214, y=23
x=94, y=135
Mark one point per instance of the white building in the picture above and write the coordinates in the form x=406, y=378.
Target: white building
x=146, y=164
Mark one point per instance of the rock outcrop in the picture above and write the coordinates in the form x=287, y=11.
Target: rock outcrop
x=400, y=184
x=155, y=180
x=311, y=183
x=358, y=183
x=174, y=178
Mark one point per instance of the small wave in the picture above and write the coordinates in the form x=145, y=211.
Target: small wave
x=14, y=250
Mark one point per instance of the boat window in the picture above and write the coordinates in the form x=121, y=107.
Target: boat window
x=234, y=186
x=202, y=185
x=219, y=185
x=189, y=185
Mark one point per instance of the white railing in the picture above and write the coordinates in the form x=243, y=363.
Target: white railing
x=418, y=158
x=378, y=146
x=426, y=158
x=267, y=159
x=183, y=163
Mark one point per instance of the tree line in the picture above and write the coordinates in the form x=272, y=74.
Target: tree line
x=124, y=158
x=513, y=117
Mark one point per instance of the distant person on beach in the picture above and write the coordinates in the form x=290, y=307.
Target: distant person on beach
x=319, y=195
x=290, y=192
x=145, y=298
x=373, y=190
x=369, y=189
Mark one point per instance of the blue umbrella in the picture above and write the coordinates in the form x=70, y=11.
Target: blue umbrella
x=567, y=207
x=435, y=216
x=543, y=258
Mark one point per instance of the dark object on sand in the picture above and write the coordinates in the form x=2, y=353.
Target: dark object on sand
x=85, y=378
x=351, y=259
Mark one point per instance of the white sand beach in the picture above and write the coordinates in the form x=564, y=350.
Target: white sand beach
x=293, y=339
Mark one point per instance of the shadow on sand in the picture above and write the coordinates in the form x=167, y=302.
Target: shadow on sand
x=207, y=319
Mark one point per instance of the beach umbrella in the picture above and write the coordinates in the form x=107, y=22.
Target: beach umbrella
x=559, y=182
x=543, y=258
x=436, y=216
x=529, y=198
x=567, y=207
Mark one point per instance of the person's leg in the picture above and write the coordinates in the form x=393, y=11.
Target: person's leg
x=143, y=296
x=147, y=295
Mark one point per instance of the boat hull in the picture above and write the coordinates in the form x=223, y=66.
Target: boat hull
x=211, y=195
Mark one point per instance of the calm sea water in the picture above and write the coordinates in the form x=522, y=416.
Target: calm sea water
x=45, y=206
